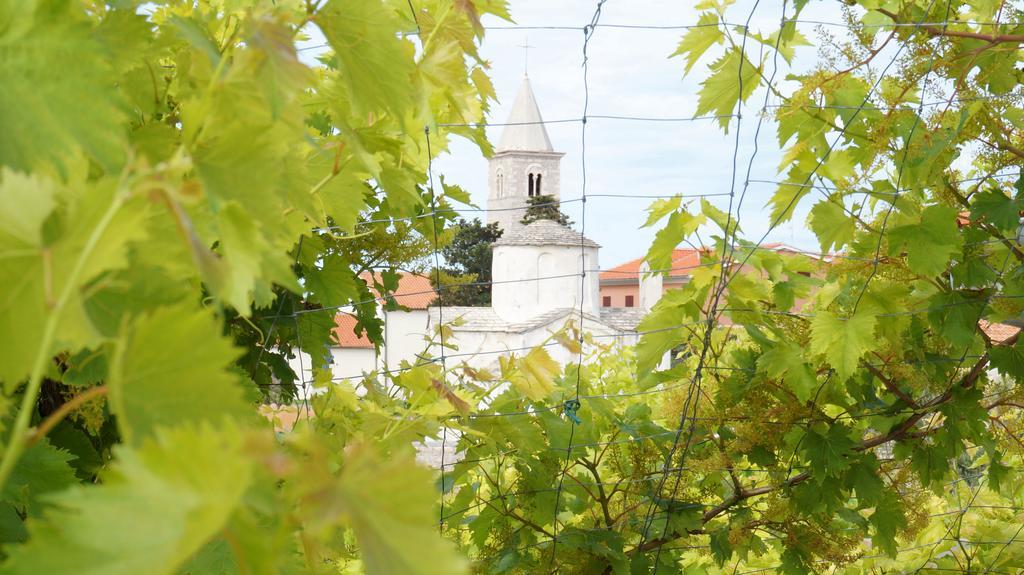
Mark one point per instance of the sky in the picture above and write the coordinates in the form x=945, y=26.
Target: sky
x=630, y=74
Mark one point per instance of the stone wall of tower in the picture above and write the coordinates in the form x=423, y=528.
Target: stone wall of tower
x=508, y=184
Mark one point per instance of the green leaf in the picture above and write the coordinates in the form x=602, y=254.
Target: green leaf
x=389, y=504
x=888, y=520
x=371, y=56
x=843, y=341
x=158, y=505
x=833, y=226
x=956, y=314
x=1009, y=360
x=661, y=208
x=41, y=469
x=54, y=241
x=863, y=478
x=698, y=39
x=60, y=92
x=786, y=361
x=724, y=88
x=788, y=195
x=931, y=242
x=679, y=226
x=829, y=453
x=996, y=208
x=251, y=262
x=726, y=222
x=532, y=375
x=173, y=367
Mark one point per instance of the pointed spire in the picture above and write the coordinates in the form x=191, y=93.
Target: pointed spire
x=525, y=131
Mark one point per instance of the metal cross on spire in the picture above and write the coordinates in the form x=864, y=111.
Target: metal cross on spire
x=526, y=55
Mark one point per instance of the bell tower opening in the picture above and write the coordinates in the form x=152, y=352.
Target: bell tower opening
x=521, y=160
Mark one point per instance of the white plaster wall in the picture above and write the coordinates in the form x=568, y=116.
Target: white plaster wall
x=403, y=336
x=518, y=294
x=352, y=362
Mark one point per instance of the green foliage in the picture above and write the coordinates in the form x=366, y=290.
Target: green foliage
x=544, y=208
x=467, y=259
x=184, y=203
x=833, y=414
x=180, y=195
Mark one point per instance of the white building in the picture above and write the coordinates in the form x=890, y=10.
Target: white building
x=545, y=275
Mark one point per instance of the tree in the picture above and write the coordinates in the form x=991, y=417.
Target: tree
x=544, y=208
x=467, y=270
x=883, y=409
x=185, y=203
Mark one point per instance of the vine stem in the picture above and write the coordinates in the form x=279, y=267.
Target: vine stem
x=17, y=443
x=63, y=411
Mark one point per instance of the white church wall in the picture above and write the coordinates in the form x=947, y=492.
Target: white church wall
x=518, y=294
x=404, y=337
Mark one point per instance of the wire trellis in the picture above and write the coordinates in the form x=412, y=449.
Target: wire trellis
x=734, y=257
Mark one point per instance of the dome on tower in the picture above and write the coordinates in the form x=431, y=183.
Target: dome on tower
x=545, y=233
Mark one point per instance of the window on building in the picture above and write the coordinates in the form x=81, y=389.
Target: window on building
x=606, y=301
x=629, y=301
x=500, y=177
x=537, y=191
x=529, y=190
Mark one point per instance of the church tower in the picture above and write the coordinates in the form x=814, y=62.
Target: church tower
x=524, y=163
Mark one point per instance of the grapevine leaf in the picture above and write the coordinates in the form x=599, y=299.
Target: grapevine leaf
x=786, y=361
x=87, y=230
x=788, y=195
x=533, y=374
x=832, y=225
x=956, y=315
x=680, y=224
x=372, y=58
x=41, y=469
x=698, y=39
x=931, y=242
x=389, y=505
x=828, y=453
x=842, y=341
x=59, y=90
x=159, y=504
x=863, y=477
x=1009, y=360
x=997, y=208
x=888, y=519
x=661, y=208
x=723, y=220
x=722, y=90
x=173, y=368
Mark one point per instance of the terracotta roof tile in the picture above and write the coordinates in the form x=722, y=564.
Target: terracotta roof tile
x=345, y=333
x=682, y=262
x=414, y=290
x=998, y=333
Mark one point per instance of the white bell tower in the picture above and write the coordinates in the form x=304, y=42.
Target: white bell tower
x=524, y=163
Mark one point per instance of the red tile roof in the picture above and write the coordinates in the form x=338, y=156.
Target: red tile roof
x=345, y=333
x=682, y=262
x=998, y=333
x=414, y=292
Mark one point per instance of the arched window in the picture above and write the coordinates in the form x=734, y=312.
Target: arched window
x=500, y=183
x=537, y=186
x=529, y=190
